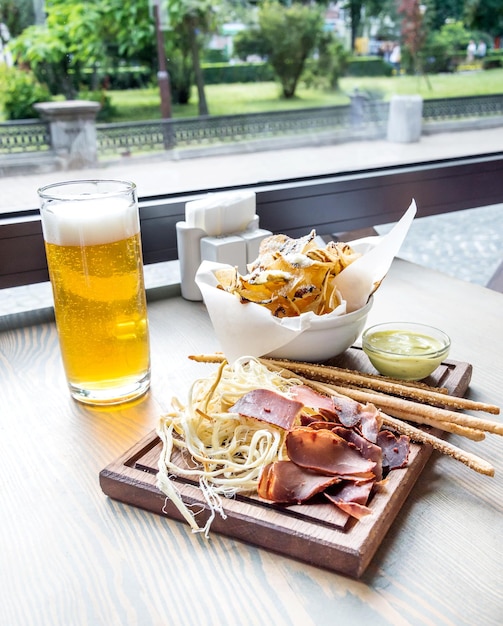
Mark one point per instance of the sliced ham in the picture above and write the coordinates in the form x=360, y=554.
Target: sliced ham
x=395, y=449
x=368, y=449
x=268, y=406
x=347, y=410
x=351, y=508
x=370, y=422
x=352, y=497
x=335, y=447
x=287, y=483
x=311, y=398
x=325, y=452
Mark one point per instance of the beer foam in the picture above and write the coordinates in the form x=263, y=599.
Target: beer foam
x=90, y=222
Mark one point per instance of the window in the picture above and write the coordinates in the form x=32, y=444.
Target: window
x=334, y=178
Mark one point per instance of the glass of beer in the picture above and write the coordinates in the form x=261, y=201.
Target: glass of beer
x=92, y=239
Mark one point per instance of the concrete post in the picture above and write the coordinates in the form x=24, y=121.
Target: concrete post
x=405, y=119
x=73, y=131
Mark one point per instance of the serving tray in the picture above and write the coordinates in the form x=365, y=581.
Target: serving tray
x=317, y=534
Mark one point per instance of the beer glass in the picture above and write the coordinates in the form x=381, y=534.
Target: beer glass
x=92, y=239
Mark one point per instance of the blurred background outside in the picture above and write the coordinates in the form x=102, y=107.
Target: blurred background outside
x=191, y=94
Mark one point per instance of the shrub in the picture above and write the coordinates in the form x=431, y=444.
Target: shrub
x=118, y=77
x=368, y=66
x=218, y=73
x=328, y=66
x=107, y=111
x=20, y=91
x=211, y=55
x=493, y=60
x=446, y=49
x=181, y=75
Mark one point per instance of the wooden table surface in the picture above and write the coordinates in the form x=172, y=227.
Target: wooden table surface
x=70, y=555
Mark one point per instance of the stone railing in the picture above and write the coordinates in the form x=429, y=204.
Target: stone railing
x=64, y=138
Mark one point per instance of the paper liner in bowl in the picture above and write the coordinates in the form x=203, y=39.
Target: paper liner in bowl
x=250, y=329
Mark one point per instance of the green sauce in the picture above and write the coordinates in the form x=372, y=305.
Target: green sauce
x=404, y=342
x=404, y=354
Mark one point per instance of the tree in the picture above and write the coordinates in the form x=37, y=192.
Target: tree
x=354, y=8
x=130, y=27
x=486, y=16
x=357, y=10
x=16, y=15
x=329, y=65
x=194, y=18
x=71, y=39
x=289, y=35
x=444, y=12
x=445, y=48
x=414, y=31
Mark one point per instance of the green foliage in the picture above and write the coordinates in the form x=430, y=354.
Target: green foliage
x=217, y=73
x=71, y=39
x=486, y=16
x=129, y=27
x=181, y=76
x=368, y=66
x=211, y=55
x=329, y=66
x=250, y=42
x=493, y=60
x=20, y=91
x=445, y=49
x=445, y=11
x=80, y=37
x=290, y=35
x=16, y=15
x=107, y=111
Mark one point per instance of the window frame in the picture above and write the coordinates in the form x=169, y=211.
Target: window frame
x=330, y=203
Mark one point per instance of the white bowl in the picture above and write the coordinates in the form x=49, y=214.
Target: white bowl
x=325, y=338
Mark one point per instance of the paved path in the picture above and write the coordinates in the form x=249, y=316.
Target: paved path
x=161, y=174
x=465, y=244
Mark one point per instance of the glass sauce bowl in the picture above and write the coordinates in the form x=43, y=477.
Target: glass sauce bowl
x=405, y=350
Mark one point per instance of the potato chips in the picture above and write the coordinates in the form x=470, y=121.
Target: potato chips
x=291, y=276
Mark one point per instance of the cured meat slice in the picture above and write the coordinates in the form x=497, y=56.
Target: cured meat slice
x=348, y=410
x=325, y=452
x=341, y=410
x=395, y=449
x=287, y=483
x=370, y=422
x=268, y=406
x=311, y=398
x=368, y=449
x=354, y=491
x=352, y=497
x=349, y=506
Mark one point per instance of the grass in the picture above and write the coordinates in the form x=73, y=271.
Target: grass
x=241, y=98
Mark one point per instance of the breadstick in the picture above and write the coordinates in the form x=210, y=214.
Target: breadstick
x=324, y=373
x=456, y=429
x=421, y=393
x=471, y=460
x=359, y=379
x=415, y=409
x=415, y=434
x=448, y=427
x=217, y=357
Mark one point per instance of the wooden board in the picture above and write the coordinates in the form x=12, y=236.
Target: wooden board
x=315, y=534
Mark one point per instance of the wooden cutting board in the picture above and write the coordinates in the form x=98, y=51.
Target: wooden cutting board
x=317, y=534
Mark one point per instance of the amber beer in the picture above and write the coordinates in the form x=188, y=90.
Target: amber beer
x=92, y=238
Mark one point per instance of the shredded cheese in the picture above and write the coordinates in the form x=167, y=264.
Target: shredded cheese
x=224, y=452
